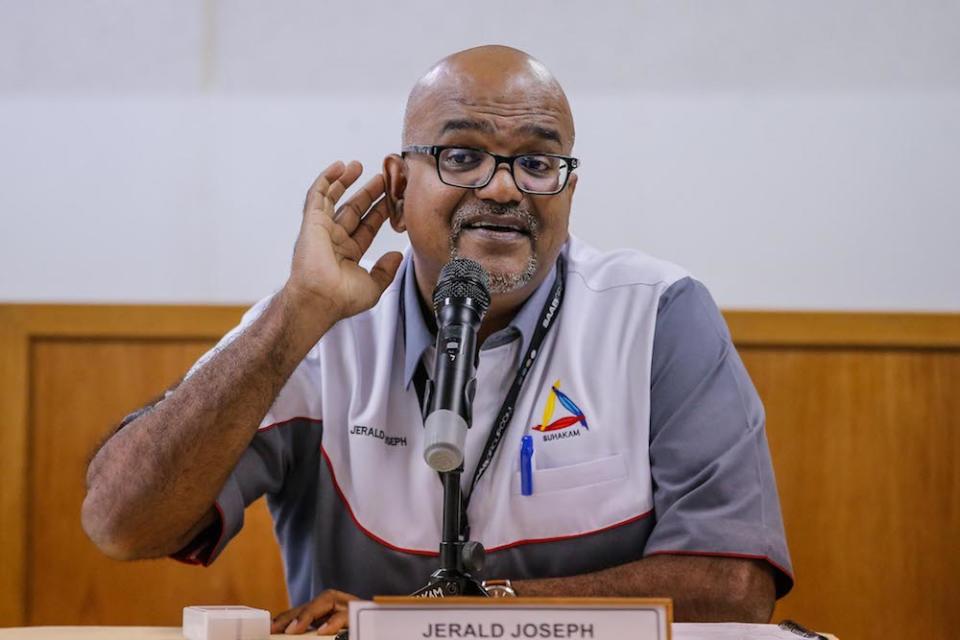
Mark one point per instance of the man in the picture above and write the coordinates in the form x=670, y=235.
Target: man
x=651, y=473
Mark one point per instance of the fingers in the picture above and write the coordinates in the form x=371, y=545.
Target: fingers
x=298, y=619
x=347, y=178
x=357, y=217
x=282, y=620
x=316, y=609
x=350, y=214
x=318, y=189
x=370, y=224
x=334, y=623
x=330, y=607
x=329, y=186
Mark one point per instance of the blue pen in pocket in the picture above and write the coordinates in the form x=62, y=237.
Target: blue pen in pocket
x=526, y=465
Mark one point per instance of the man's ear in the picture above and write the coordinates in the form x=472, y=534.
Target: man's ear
x=572, y=183
x=395, y=174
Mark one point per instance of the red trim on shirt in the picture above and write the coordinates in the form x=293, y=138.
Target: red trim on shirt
x=286, y=422
x=420, y=552
x=223, y=530
x=199, y=551
x=353, y=517
x=724, y=554
x=518, y=543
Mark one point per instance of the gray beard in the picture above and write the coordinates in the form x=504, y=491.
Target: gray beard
x=506, y=282
x=500, y=282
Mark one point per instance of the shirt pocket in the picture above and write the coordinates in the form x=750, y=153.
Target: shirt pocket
x=583, y=474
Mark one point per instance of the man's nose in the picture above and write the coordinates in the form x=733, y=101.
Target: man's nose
x=501, y=188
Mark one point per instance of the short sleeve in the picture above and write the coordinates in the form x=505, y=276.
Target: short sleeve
x=714, y=486
x=261, y=470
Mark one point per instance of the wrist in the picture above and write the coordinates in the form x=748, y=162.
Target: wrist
x=308, y=302
x=302, y=324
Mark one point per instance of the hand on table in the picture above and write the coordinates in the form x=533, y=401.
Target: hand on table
x=328, y=610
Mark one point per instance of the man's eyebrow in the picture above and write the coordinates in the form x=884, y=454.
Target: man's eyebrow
x=541, y=131
x=466, y=124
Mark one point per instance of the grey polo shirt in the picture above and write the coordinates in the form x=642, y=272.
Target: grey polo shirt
x=649, y=439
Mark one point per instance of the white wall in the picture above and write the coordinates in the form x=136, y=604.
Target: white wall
x=792, y=155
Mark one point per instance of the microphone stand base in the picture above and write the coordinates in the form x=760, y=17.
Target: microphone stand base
x=449, y=583
x=443, y=583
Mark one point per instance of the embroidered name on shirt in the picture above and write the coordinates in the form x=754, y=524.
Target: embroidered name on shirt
x=378, y=434
x=560, y=435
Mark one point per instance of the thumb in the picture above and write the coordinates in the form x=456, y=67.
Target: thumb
x=385, y=269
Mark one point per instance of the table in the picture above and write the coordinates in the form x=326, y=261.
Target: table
x=107, y=633
x=681, y=631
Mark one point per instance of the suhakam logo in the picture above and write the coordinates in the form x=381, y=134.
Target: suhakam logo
x=560, y=428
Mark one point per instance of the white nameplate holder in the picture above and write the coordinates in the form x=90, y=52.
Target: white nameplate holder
x=405, y=618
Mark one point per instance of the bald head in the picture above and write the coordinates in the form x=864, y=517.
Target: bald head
x=493, y=80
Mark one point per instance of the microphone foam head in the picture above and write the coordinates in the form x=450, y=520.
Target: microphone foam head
x=442, y=458
x=463, y=278
x=444, y=439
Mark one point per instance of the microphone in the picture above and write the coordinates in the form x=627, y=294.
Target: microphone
x=460, y=301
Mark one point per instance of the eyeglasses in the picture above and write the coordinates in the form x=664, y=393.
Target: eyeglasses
x=535, y=173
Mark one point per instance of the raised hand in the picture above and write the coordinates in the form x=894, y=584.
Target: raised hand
x=325, y=277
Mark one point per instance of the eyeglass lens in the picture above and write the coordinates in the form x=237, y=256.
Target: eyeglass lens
x=471, y=169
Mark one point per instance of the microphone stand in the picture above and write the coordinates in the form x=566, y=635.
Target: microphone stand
x=459, y=558
x=460, y=300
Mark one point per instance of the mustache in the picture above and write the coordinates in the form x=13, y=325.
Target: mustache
x=474, y=209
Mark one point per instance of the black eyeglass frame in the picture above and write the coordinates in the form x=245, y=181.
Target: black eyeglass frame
x=436, y=149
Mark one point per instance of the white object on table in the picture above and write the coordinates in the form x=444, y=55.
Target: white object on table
x=732, y=631
x=225, y=623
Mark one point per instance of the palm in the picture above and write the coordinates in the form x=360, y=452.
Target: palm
x=332, y=242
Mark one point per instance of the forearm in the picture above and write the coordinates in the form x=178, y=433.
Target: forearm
x=703, y=589
x=155, y=479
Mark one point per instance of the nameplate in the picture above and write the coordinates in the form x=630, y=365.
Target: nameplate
x=402, y=618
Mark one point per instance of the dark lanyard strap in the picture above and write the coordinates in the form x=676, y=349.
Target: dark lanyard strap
x=548, y=316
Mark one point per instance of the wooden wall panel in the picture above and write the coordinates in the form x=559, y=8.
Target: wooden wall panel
x=67, y=372
x=13, y=469
x=865, y=443
x=79, y=388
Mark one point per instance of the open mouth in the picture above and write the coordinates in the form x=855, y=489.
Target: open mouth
x=508, y=228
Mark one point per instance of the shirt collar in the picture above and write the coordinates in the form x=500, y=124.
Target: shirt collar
x=418, y=337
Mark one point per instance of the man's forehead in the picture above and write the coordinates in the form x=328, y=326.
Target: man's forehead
x=492, y=94
x=514, y=116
